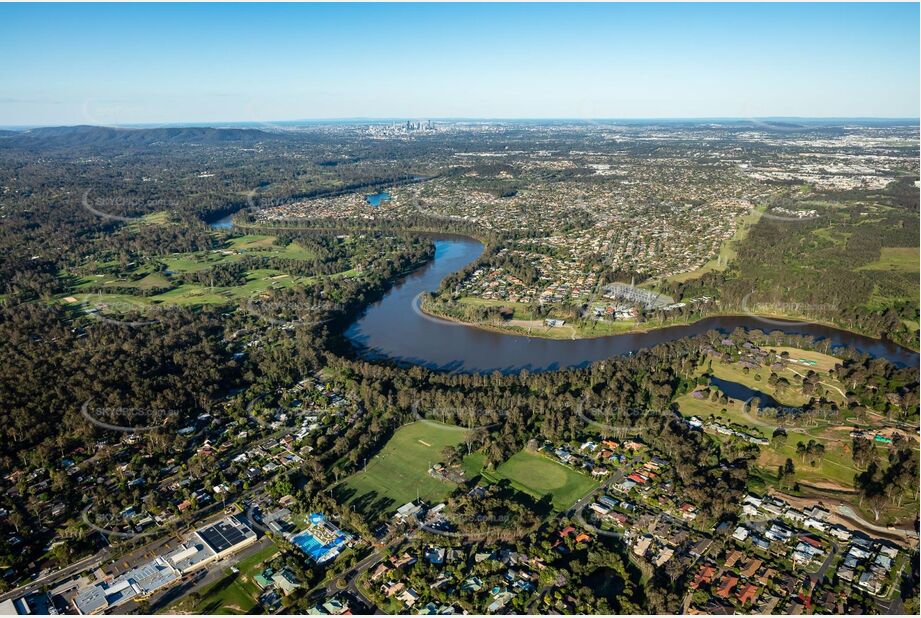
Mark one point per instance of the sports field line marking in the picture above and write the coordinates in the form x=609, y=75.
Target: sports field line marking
x=424, y=442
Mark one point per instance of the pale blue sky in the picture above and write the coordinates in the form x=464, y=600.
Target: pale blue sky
x=121, y=64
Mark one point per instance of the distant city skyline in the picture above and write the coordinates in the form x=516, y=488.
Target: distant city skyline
x=211, y=64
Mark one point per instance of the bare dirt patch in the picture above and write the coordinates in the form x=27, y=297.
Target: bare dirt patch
x=828, y=486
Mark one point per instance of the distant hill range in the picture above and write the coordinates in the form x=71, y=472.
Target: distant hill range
x=102, y=137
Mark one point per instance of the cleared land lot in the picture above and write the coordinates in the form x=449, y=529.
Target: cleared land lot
x=538, y=476
x=395, y=475
x=902, y=259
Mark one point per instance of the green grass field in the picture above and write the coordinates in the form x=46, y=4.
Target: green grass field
x=395, y=475
x=193, y=294
x=194, y=262
x=142, y=278
x=266, y=244
x=522, y=310
x=234, y=593
x=835, y=237
x=473, y=464
x=160, y=217
x=153, y=280
x=789, y=396
x=836, y=468
x=147, y=276
x=824, y=362
x=258, y=280
x=235, y=250
x=901, y=259
x=538, y=476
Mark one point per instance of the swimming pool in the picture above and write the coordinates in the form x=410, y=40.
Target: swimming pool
x=316, y=549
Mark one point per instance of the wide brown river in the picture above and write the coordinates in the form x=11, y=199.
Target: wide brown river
x=395, y=329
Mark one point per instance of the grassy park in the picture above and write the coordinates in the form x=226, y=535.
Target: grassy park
x=834, y=470
x=538, y=476
x=830, y=475
x=798, y=365
x=833, y=473
x=399, y=472
x=395, y=475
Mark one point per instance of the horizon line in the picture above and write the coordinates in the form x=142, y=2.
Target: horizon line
x=356, y=119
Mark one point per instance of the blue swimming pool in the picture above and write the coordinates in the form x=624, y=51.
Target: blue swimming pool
x=316, y=549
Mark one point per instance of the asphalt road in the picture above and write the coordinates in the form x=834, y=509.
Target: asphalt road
x=200, y=579
x=59, y=576
x=819, y=576
x=351, y=579
x=202, y=516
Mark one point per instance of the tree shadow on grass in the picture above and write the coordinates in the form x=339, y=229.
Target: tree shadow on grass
x=371, y=503
x=540, y=507
x=214, y=593
x=343, y=493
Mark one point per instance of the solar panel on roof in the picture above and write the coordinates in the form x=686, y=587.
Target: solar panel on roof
x=221, y=536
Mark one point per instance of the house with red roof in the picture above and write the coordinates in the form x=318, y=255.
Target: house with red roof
x=727, y=583
x=704, y=576
x=812, y=541
x=748, y=594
